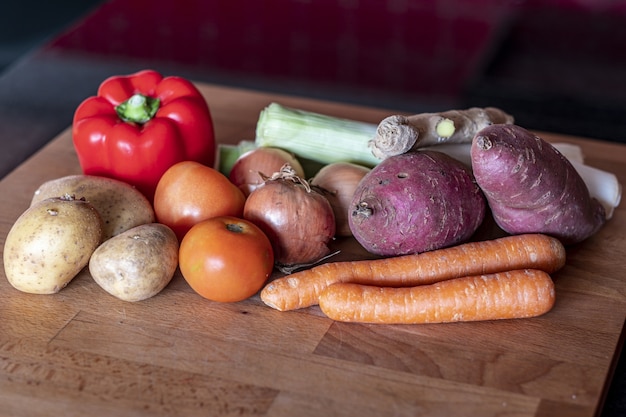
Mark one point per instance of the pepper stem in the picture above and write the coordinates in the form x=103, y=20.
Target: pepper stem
x=138, y=109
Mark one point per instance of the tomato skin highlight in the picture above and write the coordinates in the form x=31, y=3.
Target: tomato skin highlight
x=190, y=192
x=226, y=259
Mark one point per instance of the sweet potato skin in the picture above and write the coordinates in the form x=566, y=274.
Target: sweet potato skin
x=531, y=187
x=416, y=202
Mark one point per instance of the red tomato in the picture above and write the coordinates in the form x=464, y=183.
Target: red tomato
x=226, y=259
x=189, y=192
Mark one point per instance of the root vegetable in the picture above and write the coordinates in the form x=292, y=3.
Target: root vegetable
x=120, y=205
x=416, y=202
x=531, y=187
x=302, y=289
x=297, y=219
x=504, y=295
x=602, y=185
x=398, y=134
x=340, y=180
x=50, y=243
x=137, y=264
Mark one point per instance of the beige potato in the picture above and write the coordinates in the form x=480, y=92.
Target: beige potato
x=120, y=205
x=50, y=243
x=136, y=264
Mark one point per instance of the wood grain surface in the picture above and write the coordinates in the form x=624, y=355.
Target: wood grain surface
x=82, y=352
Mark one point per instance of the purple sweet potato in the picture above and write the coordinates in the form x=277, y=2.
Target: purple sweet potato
x=416, y=202
x=531, y=187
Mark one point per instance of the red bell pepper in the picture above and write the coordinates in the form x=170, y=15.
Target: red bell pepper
x=139, y=125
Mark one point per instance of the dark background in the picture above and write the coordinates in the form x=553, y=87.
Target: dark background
x=557, y=65
x=26, y=24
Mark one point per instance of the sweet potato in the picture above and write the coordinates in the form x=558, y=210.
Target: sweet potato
x=531, y=187
x=416, y=202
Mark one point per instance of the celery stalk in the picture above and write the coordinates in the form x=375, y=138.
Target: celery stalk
x=318, y=137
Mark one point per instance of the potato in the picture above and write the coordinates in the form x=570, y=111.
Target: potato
x=531, y=187
x=136, y=264
x=50, y=243
x=120, y=205
x=416, y=202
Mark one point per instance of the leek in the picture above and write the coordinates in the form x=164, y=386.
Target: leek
x=227, y=154
x=321, y=138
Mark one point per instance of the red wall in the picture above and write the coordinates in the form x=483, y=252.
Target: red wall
x=395, y=45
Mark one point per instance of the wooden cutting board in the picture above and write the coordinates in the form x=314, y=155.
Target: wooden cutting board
x=83, y=352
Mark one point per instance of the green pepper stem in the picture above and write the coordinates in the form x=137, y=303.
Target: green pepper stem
x=138, y=109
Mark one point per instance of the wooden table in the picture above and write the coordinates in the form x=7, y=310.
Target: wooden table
x=82, y=352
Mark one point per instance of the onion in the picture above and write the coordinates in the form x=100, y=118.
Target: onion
x=298, y=219
x=248, y=171
x=340, y=180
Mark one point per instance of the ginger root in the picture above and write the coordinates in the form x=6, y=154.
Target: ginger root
x=399, y=134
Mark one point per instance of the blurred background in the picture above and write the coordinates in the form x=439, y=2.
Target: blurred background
x=556, y=65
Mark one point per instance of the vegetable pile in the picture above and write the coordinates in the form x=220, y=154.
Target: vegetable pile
x=262, y=217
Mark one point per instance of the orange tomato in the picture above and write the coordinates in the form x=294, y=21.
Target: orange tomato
x=189, y=192
x=226, y=259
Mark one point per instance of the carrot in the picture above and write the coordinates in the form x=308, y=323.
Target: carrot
x=503, y=295
x=301, y=289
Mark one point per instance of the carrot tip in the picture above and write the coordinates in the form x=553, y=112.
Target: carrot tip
x=272, y=305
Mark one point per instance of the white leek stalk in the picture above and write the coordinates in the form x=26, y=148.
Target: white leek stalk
x=318, y=137
x=572, y=152
x=602, y=185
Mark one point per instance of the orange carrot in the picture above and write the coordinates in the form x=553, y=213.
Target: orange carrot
x=503, y=295
x=301, y=289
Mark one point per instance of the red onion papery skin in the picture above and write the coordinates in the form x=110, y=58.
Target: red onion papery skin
x=248, y=171
x=298, y=220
